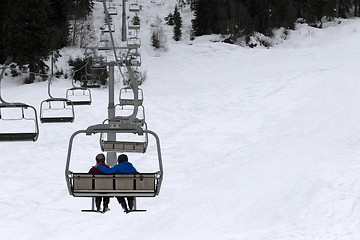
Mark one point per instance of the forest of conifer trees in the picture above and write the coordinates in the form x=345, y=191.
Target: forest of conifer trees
x=243, y=17
x=31, y=31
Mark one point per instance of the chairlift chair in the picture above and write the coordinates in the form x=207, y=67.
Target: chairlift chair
x=104, y=37
x=103, y=44
x=98, y=62
x=105, y=28
x=133, y=33
x=125, y=142
x=113, y=185
x=24, y=114
x=133, y=26
x=138, y=76
x=90, y=81
x=56, y=110
x=134, y=7
x=79, y=96
x=123, y=113
x=133, y=42
x=134, y=59
x=126, y=96
x=112, y=10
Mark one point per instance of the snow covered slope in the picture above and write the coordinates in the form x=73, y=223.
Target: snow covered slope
x=258, y=144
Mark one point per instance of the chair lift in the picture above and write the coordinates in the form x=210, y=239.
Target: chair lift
x=125, y=142
x=55, y=110
x=19, y=113
x=133, y=26
x=129, y=143
x=133, y=58
x=133, y=42
x=113, y=185
x=123, y=113
x=138, y=76
x=112, y=10
x=78, y=95
x=105, y=28
x=90, y=81
x=98, y=62
x=134, y=7
x=104, y=38
x=126, y=96
x=133, y=33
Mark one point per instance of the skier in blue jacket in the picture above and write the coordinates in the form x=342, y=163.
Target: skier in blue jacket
x=123, y=166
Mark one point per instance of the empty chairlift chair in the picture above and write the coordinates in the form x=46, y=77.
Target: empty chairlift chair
x=126, y=96
x=98, y=62
x=125, y=143
x=124, y=112
x=138, y=76
x=112, y=10
x=18, y=122
x=79, y=96
x=105, y=28
x=56, y=110
x=90, y=81
x=133, y=42
x=134, y=7
x=134, y=25
x=133, y=59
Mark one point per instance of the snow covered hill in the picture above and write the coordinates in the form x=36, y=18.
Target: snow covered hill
x=257, y=143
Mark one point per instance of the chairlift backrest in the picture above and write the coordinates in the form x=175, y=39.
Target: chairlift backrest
x=79, y=96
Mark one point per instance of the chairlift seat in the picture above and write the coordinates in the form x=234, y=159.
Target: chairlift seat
x=90, y=84
x=130, y=102
x=132, y=26
x=124, y=184
x=12, y=137
x=137, y=121
x=56, y=119
x=123, y=146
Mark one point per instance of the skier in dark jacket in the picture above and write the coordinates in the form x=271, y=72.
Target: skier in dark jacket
x=100, y=160
x=123, y=166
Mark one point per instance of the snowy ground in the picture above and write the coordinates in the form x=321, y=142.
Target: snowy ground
x=257, y=144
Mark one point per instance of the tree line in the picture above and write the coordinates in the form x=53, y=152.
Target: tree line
x=238, y=18
x=31, y=31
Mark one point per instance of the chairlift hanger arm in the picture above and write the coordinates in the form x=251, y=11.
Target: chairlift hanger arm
x=159, y=157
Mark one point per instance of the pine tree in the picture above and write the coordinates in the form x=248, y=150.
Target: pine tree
x=169, y=19
x=177, y=25
x=27, y=39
